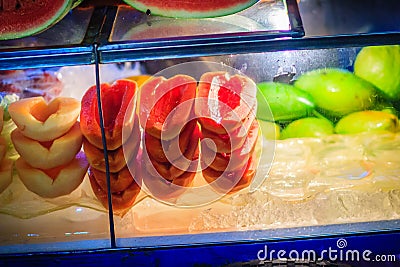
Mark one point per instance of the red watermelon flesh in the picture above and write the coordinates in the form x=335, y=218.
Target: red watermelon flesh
x=21, y=18
x=191, y=9
x=224, y=101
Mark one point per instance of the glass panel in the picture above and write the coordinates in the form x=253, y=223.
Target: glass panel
x=46, y=201
x=69, y=31
x=319, y=165
x=325, y=17
x=131, y=24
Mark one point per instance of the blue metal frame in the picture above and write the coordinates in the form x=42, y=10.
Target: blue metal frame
x=207, y=255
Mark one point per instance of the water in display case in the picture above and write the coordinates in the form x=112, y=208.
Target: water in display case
x=230, y=130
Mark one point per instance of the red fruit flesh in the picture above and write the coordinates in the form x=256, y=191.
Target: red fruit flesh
x=115, y=99
x=121, y=200
x=170, y=171
x=224, y=101
x=160, y=98
x=173, y=148
x=231, y=161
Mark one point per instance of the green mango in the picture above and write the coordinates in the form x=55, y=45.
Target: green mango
x=282, y=102
x=308, y=127
x=337, y=92
x=367, y=121
x=380, y=65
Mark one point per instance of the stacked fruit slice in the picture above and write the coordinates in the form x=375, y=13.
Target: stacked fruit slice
x=171, y=134
x=48, y=140
x=117, y=100
x=5, y=163
x=226, y=107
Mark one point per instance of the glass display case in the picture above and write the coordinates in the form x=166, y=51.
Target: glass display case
x=297, y=148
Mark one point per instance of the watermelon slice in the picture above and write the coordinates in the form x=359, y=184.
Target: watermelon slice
x=191, y=9
x=21, y=18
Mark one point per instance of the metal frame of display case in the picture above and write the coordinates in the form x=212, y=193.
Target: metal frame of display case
x=202, y=249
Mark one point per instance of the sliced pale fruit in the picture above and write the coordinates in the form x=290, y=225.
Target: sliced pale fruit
x=3, y=147
x=5, y=174
x=44, y=121
x=54, y=182
x=1, y=118
x=47, y=155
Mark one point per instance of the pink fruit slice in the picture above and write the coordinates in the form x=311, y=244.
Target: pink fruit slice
x=166, y=104
x=231, y=161
x=224, y=101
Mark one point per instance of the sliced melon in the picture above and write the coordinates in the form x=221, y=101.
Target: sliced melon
x=21, y=18
x=191, y=9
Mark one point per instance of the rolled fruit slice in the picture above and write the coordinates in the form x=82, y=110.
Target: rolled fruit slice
x=121, y=200
x=115, y=99
x=191, y=9
x=231, y=161
x=226, y=143
x=118, y=158
x=178, y=167
x=224, y=101
x=166, y=104
x=165, y=151
x=20, y=18
x=228, y=182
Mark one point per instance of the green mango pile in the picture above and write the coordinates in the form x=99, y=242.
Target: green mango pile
x=335, y=101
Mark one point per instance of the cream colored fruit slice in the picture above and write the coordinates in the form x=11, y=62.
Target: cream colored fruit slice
x=5, y=174
x=55, y=182
x=1, y=119
x=48, y=155
x=44, y=121
x=3, y=147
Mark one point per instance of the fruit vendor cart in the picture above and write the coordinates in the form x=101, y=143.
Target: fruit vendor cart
x=255, y=133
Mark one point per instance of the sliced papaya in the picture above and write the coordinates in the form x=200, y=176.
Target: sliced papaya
x=231, y=161
x=115, y=100
x=116, y=158
x=44, y=121
x=47, y=155
x=224, y=101
x=164, y=189
x=121, y=200
x=226, y=143
x=170, y=150
x=191, y=9
x=172, y=170
x=166, y=104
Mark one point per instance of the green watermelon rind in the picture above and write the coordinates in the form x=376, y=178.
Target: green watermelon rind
x=189, y=14
x=63, y=11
